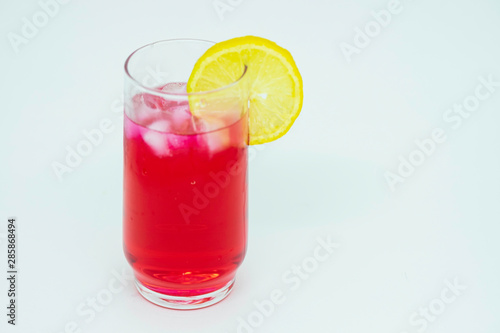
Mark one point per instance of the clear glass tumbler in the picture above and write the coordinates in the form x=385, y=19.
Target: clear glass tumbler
x=185, y=178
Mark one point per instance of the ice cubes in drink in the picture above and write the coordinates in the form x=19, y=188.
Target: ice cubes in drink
x=160, y=126
x=167, y=125
x=157, y=141
x=175, y=88
x=217, y=136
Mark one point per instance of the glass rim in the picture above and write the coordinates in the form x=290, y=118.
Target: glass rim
x=162, y=93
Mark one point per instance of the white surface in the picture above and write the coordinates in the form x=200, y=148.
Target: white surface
x=326, y=177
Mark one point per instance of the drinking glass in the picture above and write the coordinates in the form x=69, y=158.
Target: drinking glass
x=185, y=177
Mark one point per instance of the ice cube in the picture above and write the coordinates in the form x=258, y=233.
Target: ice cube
x=149, y=101
x=157, y=142
x=147, y=107
x=218, y=140
x=217, y=136
x=160, y=126
x=181, y=118
x=212, y=124
x=176, y=142
x=175, y=88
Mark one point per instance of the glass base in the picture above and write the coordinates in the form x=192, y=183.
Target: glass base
x=184, y=302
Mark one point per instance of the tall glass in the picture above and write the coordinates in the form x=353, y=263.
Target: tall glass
x=185, y=178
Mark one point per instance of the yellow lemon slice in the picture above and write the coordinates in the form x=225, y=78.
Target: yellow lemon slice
x=274, y=84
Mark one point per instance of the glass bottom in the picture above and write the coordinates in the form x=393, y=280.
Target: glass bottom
x=184, y=302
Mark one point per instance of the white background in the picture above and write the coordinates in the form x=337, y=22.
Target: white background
x=325, y=178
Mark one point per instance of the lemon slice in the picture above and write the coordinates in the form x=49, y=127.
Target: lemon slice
x=274, y=84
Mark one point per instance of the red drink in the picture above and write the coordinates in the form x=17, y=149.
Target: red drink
x=185, y=197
